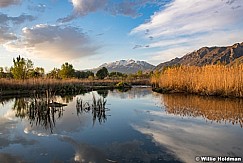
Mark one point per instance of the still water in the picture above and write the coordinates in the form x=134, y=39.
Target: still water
x=112, y=126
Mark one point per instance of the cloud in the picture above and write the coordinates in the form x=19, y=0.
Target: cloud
x=126, y=8
x=83, y=7
x=8, y=23
x=193, y=24
x=39, y=8
x=5, y=19
x=6, y=36
x=59, y=42
x=6, y=3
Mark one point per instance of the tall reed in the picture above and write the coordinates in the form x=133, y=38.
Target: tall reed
x=208, y=80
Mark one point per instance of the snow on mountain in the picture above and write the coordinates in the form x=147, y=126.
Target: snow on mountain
x=127, y=66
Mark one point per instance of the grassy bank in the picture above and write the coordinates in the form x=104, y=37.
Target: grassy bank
x=11, y=86
x=217, y=80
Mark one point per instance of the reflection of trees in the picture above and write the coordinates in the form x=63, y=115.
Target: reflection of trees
x=214, y=109
x=39, y=111
x=103, y=93
x=97, y=107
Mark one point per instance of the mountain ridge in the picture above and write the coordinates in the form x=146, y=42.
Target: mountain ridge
x=228, y=55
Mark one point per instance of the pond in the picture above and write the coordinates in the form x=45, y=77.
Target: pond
x=113, y=126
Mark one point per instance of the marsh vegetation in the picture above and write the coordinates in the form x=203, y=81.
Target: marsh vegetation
x=216, y=80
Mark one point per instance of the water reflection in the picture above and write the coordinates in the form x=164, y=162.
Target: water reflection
x=214, y=109
x=97, y=107
x=39, y=111
x=137, y=131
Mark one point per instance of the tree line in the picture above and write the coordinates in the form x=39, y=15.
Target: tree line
x=24, y=69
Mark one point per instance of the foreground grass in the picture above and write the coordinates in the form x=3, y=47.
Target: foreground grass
x=207, y=80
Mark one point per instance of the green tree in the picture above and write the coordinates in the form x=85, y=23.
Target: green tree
x=36, y=73
x=1, y=72
x=54, y=74
x=67, y=71
x=102, y=73
x=21, y=68
x=83, y=74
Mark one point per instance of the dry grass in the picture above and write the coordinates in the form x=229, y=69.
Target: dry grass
x=208, y=80
x=69, y=85
x=220, y=110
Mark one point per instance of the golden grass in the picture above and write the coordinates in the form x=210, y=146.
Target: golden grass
x=220, y=110
x=209, y=80
x=57, y=84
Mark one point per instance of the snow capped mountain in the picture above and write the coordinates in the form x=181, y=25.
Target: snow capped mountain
x=127, y=66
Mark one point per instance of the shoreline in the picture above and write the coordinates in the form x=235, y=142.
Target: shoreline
x=206, y=94
x=57, y=87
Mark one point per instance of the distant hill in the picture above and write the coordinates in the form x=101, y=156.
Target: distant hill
x=126, y=66
x=208, y=56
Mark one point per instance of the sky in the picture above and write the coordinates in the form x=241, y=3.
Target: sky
x=88, y=33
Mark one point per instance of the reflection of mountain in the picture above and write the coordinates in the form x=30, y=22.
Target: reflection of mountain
x=214, y=109
x=135, y=92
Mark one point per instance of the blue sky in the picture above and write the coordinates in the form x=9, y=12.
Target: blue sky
x=88, y=33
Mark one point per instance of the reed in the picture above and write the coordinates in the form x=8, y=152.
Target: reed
x=41, y=84
x=207, y=80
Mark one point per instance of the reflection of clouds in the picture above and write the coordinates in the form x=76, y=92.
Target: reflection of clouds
x=85, y=153
x=136, y=151
x=7, y=138
x=188, y=139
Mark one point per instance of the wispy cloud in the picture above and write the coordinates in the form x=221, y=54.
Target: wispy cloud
x=6, y=3
x=55, y=42
x=192, y=24
x=5, y=19
x=128, y=7
x=39, y=7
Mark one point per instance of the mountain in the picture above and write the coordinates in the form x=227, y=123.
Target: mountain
x=209, y=55
x=126, y=66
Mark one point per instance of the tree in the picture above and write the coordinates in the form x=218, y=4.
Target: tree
x=21, y=67
x=54, y=74
x=83, y=74
x=36, y=73
x=67, y=71
x=1, y=72
x=102, y=73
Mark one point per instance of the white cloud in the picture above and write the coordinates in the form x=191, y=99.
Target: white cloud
x=54, y=42
x=193, y=24
x=6, y=3
x=83, y=7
